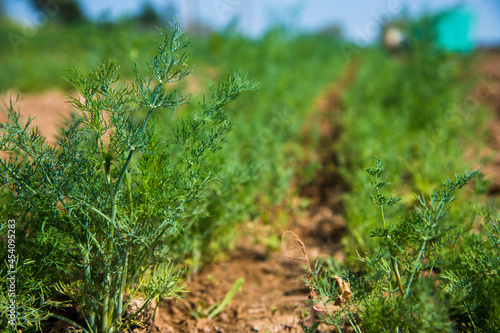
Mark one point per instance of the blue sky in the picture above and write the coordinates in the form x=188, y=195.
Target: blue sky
x=357, y=17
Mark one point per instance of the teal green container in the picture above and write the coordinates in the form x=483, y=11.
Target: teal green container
x=454, y=31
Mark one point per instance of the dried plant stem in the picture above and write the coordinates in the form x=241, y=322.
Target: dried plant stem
x=302, y=248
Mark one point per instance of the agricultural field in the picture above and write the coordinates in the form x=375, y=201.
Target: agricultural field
x=171, y=182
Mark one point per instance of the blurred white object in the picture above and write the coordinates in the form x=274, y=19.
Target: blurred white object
x=392, y=38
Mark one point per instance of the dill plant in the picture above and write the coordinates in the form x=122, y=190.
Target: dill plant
x=97, y=211
x=427, y=273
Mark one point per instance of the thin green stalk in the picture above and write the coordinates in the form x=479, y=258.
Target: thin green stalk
x=87, y=281
x=128, y=182
x=69, y=321
x=95, y=210
x=382, y=211
x=419, y=257
x=353, y=321
x=397, y=275
x=114, y=197
x=92, y=237
x=129, y=158
x=105, y=306
x=122, y=175
x=393, y=261
x=137, y=272
x=470, y=317
x=122, y=282
x=421, y=252
x=154, y=316
x=139, y=263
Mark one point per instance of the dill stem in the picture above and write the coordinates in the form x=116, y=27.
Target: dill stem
x=382, y=212
x=122, y=282
x=396, y=274
x=419, y=257
x=106, y=313
x=87, y=281
x=393, y=261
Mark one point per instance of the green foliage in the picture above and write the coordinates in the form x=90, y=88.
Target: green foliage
x=100, y=208
x=427, y=273
x=473, y=285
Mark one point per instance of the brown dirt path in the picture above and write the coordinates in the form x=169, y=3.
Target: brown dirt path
x=273, y=297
